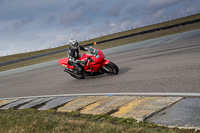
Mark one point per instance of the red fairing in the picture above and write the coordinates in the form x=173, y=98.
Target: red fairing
x=91, y=66
x=99, y=58
x=97, y=61
x=105, y=62
x=64, y=62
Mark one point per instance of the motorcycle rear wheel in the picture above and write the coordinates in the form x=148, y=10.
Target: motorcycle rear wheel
x=112, y=69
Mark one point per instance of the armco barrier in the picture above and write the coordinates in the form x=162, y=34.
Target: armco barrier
x=112, y=39
x=147, y=31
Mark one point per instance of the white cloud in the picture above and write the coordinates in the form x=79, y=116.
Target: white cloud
x=73, y=17
x=191, y=9
x=40, y=23
x=51, y=19
x=113, y=24
x=102, y=29
x=57, y=39
x=125, y=24
x=158, y=4
x=136, y=24
x=158, y=15
x=115, y=9
x=14, y=27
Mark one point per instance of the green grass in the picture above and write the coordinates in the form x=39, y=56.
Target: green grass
x=149, y=27
x=33, y=121
x=107, y=44
x=22, y=55
x=17, y=56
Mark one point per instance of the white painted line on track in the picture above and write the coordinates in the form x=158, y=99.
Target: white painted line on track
x=115, y=94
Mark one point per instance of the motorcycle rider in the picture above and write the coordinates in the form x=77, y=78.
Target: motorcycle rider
x=73, y=55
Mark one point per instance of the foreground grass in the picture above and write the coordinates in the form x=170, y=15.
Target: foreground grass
x=33, y=121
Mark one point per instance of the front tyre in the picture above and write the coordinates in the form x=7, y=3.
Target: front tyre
x=111, y=68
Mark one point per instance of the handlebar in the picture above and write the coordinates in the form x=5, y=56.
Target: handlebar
x=93, y=51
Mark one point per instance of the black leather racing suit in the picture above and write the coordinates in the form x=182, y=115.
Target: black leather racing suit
x=73, y=55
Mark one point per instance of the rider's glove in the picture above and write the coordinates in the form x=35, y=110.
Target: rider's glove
x=92, y=50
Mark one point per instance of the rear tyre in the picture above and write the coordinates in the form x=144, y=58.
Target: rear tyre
x=111, y=68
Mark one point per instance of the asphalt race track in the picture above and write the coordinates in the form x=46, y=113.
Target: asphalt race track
x=166, y=64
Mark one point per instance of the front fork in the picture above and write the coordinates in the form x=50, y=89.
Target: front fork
x=105, y=69
x=105, y=62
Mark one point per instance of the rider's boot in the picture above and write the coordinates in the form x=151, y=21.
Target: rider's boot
x=78, y=71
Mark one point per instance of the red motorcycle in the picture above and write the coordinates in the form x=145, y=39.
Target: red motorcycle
x=94, y=64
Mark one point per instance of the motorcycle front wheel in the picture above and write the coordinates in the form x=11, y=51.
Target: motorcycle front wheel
x=111, y=68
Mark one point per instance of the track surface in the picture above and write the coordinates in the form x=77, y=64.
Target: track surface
x=166, y=64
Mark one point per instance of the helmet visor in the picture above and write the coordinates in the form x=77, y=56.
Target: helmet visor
x=75, y=45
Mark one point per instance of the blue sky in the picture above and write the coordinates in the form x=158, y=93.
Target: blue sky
x=37, y=24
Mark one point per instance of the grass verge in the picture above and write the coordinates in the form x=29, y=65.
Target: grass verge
x=31, y=120
x=110, y=44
